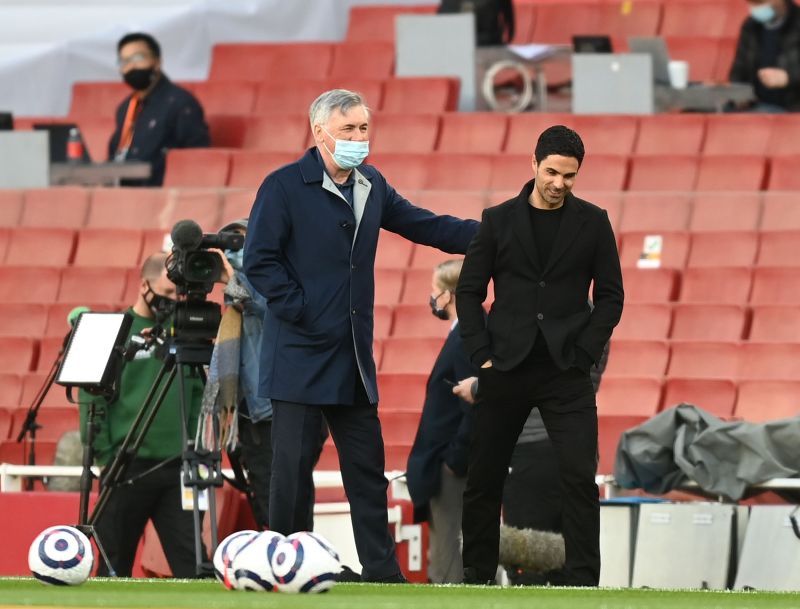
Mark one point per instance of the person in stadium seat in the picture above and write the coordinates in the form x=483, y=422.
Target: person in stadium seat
x=437, y=465
x=768, y=55
x=310, y=251
x=157, y=116
x=543, y=249
x=153, y=491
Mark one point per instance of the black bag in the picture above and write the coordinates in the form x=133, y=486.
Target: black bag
x=494, y=19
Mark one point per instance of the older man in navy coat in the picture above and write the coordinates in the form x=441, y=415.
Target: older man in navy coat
x=310, y=251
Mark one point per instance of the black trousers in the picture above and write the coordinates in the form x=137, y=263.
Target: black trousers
x=531, y=496
x=567, y=403
x=356, y=432
x=155, y=496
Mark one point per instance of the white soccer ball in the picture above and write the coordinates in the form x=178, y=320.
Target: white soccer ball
x=305, y=562
x=251, y=564
x=223, y=556
x=61, y=556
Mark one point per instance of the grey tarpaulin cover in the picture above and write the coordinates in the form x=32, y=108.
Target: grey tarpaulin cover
x=687, y=443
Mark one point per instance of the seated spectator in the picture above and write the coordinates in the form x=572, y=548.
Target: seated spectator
x=157, y=116
x=768, y=55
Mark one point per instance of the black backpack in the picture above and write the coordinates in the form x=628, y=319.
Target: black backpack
x=494, y=19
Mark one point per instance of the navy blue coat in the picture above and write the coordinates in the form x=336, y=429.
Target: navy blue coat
x=304, y=253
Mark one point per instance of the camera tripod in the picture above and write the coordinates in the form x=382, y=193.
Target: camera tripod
x=201, y=469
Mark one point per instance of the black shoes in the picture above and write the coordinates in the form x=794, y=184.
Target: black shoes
x=397, y=578
x=561, y=577
x=347, y=575
x=471, y=577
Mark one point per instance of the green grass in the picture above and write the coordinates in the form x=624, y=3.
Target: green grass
x=163, y=594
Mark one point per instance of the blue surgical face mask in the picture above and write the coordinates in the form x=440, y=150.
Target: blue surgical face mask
x=763, y=13
x=235, y=258
x=347, y=154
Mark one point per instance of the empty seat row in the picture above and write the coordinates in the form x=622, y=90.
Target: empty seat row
x=54, y=422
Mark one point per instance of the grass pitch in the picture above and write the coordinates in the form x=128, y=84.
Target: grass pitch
x=169, y=594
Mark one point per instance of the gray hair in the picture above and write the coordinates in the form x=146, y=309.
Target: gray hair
x=335, y=99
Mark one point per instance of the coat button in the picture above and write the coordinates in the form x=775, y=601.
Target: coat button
x=542, y=284
x=539, y=316
x=353, y=267
x=353, y=311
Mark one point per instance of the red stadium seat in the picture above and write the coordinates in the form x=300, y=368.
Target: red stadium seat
x=602, y=172
x=781, y=212
x=5, y=237
x=17, y=453
x=629, y=396
x=292, y=97
x=16, y=354
x=40, y=247
x=402, y=391
x=108, y=247
x=706, y=322
x=601, y=134
x=745, y=134
x=33, y=382
x=374, y=60
x=93, y=99
x=229, y=97
x=415, y=320
x=723, y=249
x=637, y=359
x=424, y=259
x=237, y=204
x=761, y=401
x=96, y=133
x=659, y=212
x=770, y=362
x=49, y=348
x=33, y=285
x=370, y=89
x=430, y=95
x=201, y=205
x=650, y=285
x=56, y=323
x=126, y=208
x=417, y=282
x=722, y=285
x=197, y=167
x=226, y=130
x=156, y=240
x=472, y=132
x=725, y=55
x=776, y=286
x=250, y=167
x=725, y=212
x=644, y=322
x=670, y=134
x=663, y=172
x=404, y=133
x=742, y=173
x=397, y=457
x=261, y=62
x=5, y=430
x=696, y=18
x=54, y=422
x=92, y=285
x=410, y=354
x=700, y=52
x=10, y=207
x=22, y=319
x=715, y=396
x=377, y=23
x=639, y=19
x=286, y=133
x=783, y=173
x=610, y=429
x=550, y=26
x=382, y=321
x=462, y=204
x=704, y=360
x=673, y=255
x=785, y=137
x=779, y=249
x=511, y=171
x=778, y=324
x=458, y=172
x=388, y=286
x=399, y=427
x=394, y=251
x=405, y=172
x=610, y=201
x=10, y=393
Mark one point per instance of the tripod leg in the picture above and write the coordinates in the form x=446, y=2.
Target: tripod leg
x=91, y=533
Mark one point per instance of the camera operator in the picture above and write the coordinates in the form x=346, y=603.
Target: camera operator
x=254, y=413
x=152, y=489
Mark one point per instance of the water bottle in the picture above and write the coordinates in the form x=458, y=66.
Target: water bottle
x=74, y=146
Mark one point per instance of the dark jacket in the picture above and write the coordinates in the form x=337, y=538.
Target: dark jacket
x=304, y=253
x=170, y=117
x=531, y=297
x=444, y=428
x=747, y=60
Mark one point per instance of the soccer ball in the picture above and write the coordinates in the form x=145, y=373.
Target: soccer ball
x=305, y=562
x=251, y=564
x=226, y=550
x=61, y=556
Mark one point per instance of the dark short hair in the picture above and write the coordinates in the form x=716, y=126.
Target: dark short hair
x=559, y=140
x=153, y=266
x=151, y=42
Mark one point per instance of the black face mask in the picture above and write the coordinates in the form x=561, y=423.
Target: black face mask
x=437, y=312
x=140, y=78
x=160, y=306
